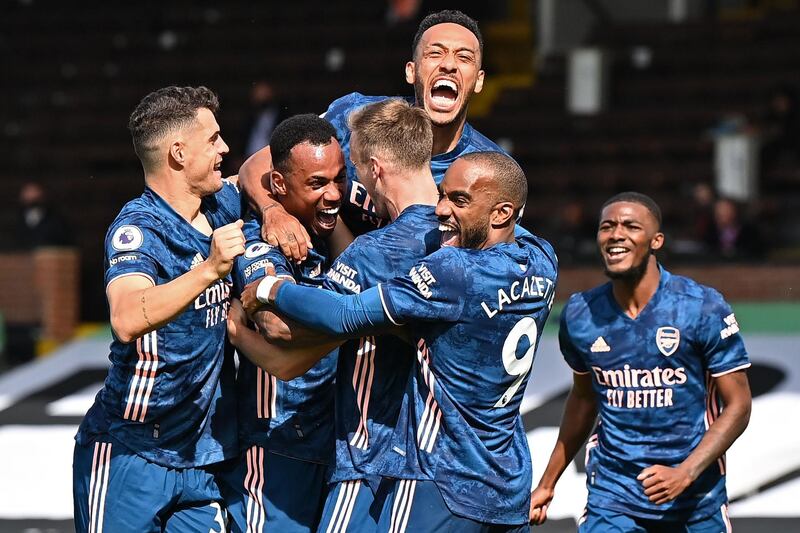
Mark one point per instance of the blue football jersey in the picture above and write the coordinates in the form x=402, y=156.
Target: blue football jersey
x=357, y=208
x=652, y=377
x=295, y=417
x=169, y=395
x=478, y=315
x=373, y=371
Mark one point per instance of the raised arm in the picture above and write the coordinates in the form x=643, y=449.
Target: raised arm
x=278, y=228
x=138, y=307
x=577, y=421
x=663, y=484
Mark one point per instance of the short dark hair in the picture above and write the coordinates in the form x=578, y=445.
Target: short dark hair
x=512, y=185
x=442, y=17
x=163, y=111
x=636, y=198
x=296, y=130
x=395, y=129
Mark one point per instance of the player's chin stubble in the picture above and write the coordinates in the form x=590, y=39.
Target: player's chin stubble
x=633, y=274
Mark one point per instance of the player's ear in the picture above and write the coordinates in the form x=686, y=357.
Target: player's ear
x=502, y=213
x=410, y=77
x=277, y=182
x=177, y=151
x=657, y=241
x=479, y=82
x=376, y=168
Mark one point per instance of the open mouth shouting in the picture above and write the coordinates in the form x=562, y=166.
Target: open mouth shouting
x=326, y=218
x=450, y=234
x=444, y=95
x=218, y=167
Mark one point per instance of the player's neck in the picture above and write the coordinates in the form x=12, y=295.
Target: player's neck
x=499, y=235
x=445, y=138
x=176, y=194
x=413, y=188
x=633, y=295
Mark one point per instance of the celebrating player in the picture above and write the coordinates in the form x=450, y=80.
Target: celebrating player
x=286, y=427
x=445, y=71
x=391, y=149
x=476, y=309
x=653, y=353
x=166, y=410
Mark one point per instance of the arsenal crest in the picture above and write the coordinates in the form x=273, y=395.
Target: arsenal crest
x=667, y=340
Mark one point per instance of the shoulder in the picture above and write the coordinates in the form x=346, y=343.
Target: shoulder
x=478, y=142
x=581, y=303
x=343, y=106
x=538, y=247
x=135, y=217
x=688, y=288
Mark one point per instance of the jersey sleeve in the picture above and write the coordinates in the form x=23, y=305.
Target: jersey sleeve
x=134, y=246
x=571, y=354
x=251, y=265
x=345, y=274
x=718, y=335
x=433, y=290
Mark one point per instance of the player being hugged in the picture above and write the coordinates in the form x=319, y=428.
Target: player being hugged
x=286, y=427
x=475, y=310
x=658, y=356
x=166, y=411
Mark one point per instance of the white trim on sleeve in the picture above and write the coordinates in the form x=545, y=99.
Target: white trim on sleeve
x=386, y=308
x=126, y=274
x=740, y=367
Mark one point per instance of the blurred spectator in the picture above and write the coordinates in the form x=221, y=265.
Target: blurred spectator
x=703, y=210
x=779, y=125
x=573, y=235
x=266, y=111
x=732, y=236
x=39, y=223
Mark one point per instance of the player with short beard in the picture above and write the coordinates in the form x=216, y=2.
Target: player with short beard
x=657, y=460
x=445, y=71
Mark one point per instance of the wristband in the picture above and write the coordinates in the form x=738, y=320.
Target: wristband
x=265, y=287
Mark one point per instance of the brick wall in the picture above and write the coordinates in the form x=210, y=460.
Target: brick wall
x=42, y=287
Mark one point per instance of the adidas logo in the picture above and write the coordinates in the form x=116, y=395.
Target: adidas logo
x=196, y=260
x=600, y=345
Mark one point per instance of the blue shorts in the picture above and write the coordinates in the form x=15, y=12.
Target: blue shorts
x=115, y=490
x=596, y=520
x=418, y=506
x=354, y=506
x=265, y=491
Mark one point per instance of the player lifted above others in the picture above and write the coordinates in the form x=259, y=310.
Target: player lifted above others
x=166, y=411
x=445, y=71
x=286, y=427
x=475, y=310
x=653, y=354
x=390, y=149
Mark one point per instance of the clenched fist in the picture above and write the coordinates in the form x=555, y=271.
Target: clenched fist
x=227, y=243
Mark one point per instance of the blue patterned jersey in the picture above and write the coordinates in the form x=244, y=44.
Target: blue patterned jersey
x=478, y=315
x=295, y=417
x=373, y=371
x=169, y=395
x=652, y=377
x=357, y=208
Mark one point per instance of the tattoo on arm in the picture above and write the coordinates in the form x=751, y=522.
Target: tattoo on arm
x=144, y=311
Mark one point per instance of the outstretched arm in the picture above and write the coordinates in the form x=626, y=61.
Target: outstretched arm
x=278, y=228
x=577, y=421
x=663, y=484
x=283, y=362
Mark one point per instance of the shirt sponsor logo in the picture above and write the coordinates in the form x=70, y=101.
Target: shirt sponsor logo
x=256, y=249
x=732, y=327
x=122, y=259
x=640, y=388
x=423, y=279
x=127, y=238
x=344, y=276
x=667, y=339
